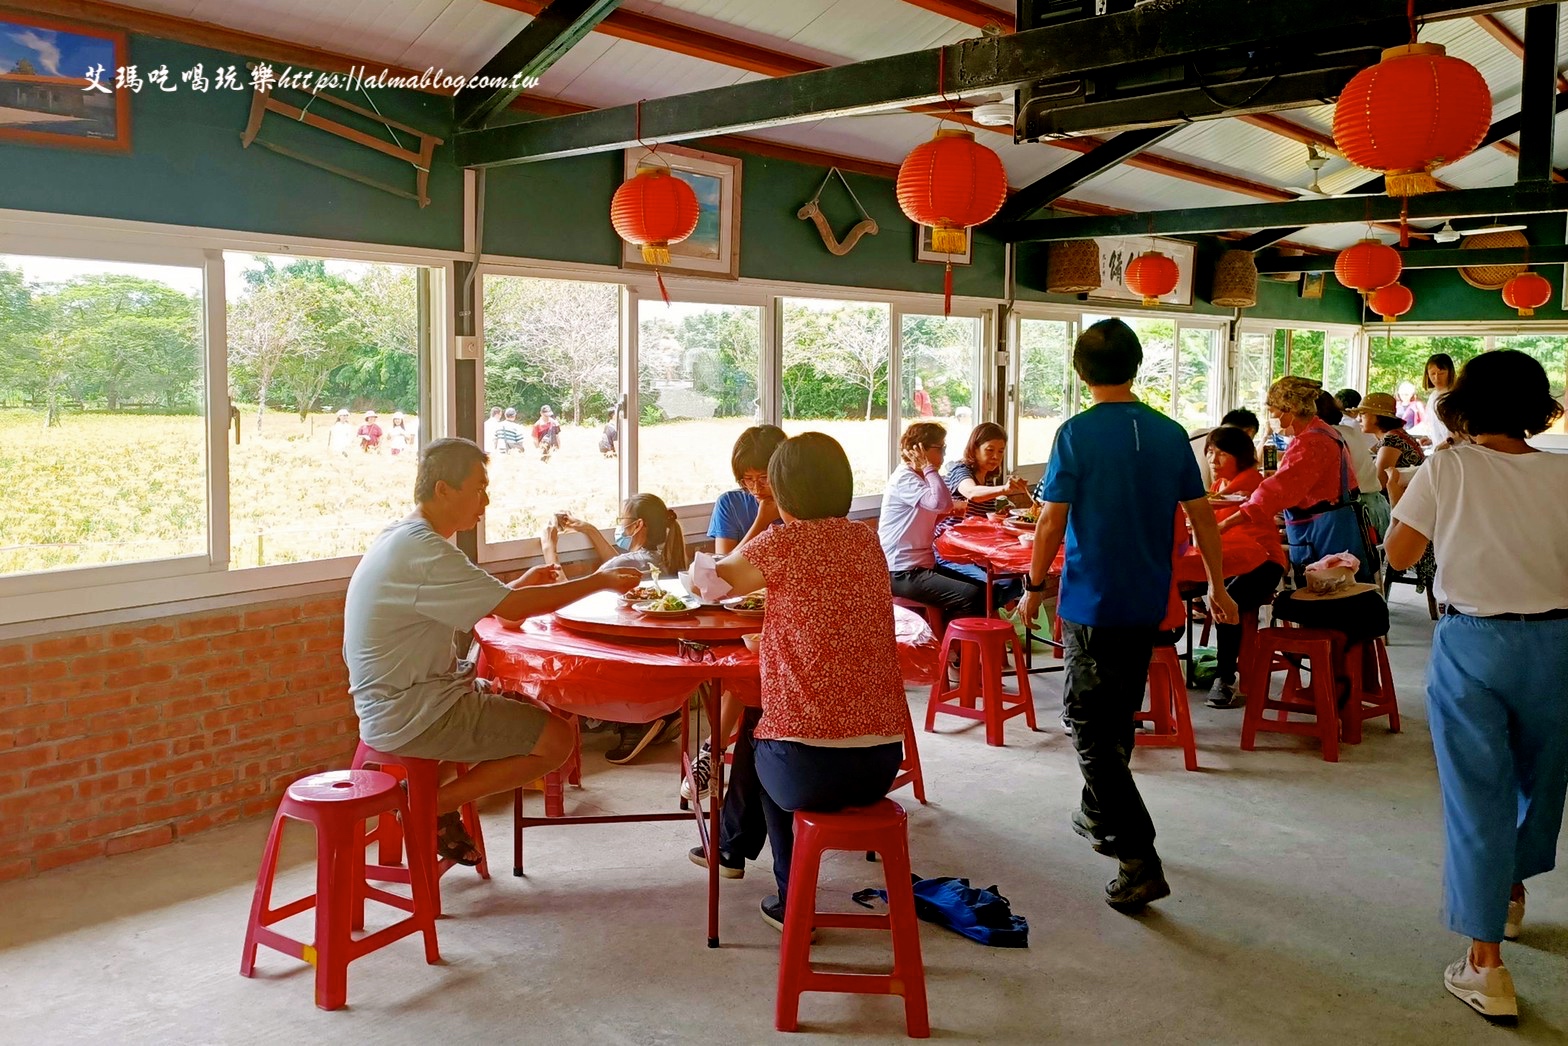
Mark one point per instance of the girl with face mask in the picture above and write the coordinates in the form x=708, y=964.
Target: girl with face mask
x=647, y=536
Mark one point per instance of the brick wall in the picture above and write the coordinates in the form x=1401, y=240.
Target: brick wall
x=122, y=738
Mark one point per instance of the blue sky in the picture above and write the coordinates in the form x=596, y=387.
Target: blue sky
x=53, y=53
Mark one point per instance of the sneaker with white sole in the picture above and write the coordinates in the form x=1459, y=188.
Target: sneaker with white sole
x=729, y=868
x=1226, y=695
x=1490, y=992
x=701, y=772
x=1515, y=921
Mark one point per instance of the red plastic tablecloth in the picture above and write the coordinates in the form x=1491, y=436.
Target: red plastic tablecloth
x=1239, y=553
x=982, y=541
x=634, y=682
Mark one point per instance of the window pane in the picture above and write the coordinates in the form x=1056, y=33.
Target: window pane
x=937, y=372
x=835, y=379
x=1306, y=354
x=1551, y=352
x=1195, y=366
x=102, y=394
x=698, y=391
x=1254, y=355
x=1154, y=384
x=1392, y=360
x=1044, y=377
x=555, y=344
x=323, y=371
x=1336, y=363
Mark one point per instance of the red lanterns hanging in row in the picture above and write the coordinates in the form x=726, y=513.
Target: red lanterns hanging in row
x=1368, y=265
x=1527, y=292
x=1152, y=275
x=1414, y=111
x=1391, y=302
x=654, y=209
x=951, y=183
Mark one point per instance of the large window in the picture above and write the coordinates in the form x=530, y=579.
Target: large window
x=1396, y=359
x=1043, y=388
x=324, y=393
x=552, y=383
x=836, y=359
x=698, y=389
x=102, y=431
x=937, y=373
x=1178, y=361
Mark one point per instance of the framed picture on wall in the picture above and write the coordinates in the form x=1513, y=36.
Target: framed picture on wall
x=1312, y=284
x=924, y=252
x=57, y=85
x=714, y=249
x=1117, y=251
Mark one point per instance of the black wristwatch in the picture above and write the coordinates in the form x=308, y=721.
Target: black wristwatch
x=1030, y=586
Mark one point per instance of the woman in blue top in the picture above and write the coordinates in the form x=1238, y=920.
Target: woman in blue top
x=978, y=478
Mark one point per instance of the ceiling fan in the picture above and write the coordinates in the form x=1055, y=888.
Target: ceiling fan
x=1448, y=234
x=1315, y=161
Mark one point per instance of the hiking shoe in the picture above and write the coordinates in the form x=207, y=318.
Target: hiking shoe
x=1137, y=883
x=1226, y=696
x=1090, y=831
x=729, y=867
x=638, y=736
x=1489, y=992
x=1515, y=920
x=701, y=772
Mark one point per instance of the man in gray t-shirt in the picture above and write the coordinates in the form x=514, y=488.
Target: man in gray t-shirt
x=411, y=591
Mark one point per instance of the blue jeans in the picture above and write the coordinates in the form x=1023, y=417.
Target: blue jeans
x=1497, y=701
x=808, y=777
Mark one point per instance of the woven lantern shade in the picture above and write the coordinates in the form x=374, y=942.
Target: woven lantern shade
x=1072, y=267
x=1527, y=292
x=1236, y=280
x=1391, y=302
x=1368, y=265
x=951, y=183
x=1491, y=277
x=1152, y=275
x=1414, y=111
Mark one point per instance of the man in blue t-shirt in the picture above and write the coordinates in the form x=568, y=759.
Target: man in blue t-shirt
x=1116, y=475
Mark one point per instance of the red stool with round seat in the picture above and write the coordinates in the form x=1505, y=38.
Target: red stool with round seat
x=983, y=643
x=424, y=780
x=1278, y=648
x=1168, y=715
x=881, y=828
x=337, y=804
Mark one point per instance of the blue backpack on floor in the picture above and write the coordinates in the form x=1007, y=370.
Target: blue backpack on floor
x=980, y=914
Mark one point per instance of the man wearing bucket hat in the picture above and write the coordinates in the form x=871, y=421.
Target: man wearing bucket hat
x=547, y=432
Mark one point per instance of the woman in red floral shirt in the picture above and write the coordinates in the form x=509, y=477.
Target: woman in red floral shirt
x=833, y=706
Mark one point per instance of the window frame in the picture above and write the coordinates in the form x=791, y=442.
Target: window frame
x=1356, y=364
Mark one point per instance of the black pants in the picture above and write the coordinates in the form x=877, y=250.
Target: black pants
x=1107, y=669
x=743, y=829
x=957, y=595
x=807, y=777
x=1250, y=591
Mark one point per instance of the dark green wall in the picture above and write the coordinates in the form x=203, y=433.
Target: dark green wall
x=186, y=166
x=1441, y=294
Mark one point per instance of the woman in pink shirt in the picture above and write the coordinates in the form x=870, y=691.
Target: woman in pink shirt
x=833, y=705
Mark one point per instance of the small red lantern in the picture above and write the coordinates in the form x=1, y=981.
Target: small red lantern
x=1414, y=111
x=1527, y=292
x=654, y=209
x=1152, y=275
x=1391, y=302
x=1368, y=265
x=951, y=183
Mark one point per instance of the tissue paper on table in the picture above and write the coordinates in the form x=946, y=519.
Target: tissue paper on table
x=705, y=581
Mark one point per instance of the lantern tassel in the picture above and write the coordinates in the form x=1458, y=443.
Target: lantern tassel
x=947, y=290
x=662, y=292
x=1409, y=183
x=1526, y=312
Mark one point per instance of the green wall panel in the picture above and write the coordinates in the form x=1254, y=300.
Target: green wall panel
x=557, y=211
x=1442, y=294
x=186, y=165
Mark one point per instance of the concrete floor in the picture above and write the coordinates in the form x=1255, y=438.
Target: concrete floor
x=1305, y=910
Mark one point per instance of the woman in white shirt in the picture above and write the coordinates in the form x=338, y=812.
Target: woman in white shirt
x=1496, y=511
x=917, y=500
x=1437, y=378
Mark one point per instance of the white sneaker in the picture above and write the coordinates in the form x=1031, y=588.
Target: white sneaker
x=1515, y=920
x=1489, y=992
x=702, y=770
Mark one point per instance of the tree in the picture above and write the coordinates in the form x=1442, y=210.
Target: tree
x=267, y=326
x=385, y=365
x=850, y=343
x=25, y=67
x=564, y=332
x=138, y=339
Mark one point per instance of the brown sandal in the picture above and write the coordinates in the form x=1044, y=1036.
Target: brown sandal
x=453, y=843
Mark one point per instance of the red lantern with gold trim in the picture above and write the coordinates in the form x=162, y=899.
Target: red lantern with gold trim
x=654, y=209
x=1527, y=292
x=1368, y=265
x=1152, y=275
x=1391, y=302
x=951, y=183
x=1414, y=111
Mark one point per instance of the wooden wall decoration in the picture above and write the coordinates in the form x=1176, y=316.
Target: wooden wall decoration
x=812, y=211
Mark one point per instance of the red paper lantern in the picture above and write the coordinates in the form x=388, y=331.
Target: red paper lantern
x=1392, y=301
x=654, y=209
x=1415, y=110
x=1527, y=292
x=1152, y=275
x=1368, y=265
x=951, y=183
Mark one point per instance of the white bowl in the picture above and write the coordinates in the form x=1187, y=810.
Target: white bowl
x=1026, y=539
x=753, y=640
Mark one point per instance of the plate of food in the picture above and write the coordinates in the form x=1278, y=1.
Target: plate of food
x=669, y=605
x=1019, y=524
x=754, y=605
x=642, y=594
x=1028, y=515
x=1228, y=499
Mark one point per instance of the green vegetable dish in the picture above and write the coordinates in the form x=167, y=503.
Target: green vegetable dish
x=753, y=602
x=670, y=604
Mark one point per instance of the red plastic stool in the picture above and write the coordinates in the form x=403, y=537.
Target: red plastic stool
x=424, y=779
x=931, y=612
x=1168, y=713
x=1371, y=689
x=879, y=827
x=983, y=643
x=909, y=771
x=338, y=803
x=1323, y=649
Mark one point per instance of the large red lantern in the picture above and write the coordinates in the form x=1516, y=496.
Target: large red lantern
x=654, y=209
x=1391, y=302
x=1368, y=265
x=1527, y=292
x=951, y=183
x=1414, y=111
x=1152, y=275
